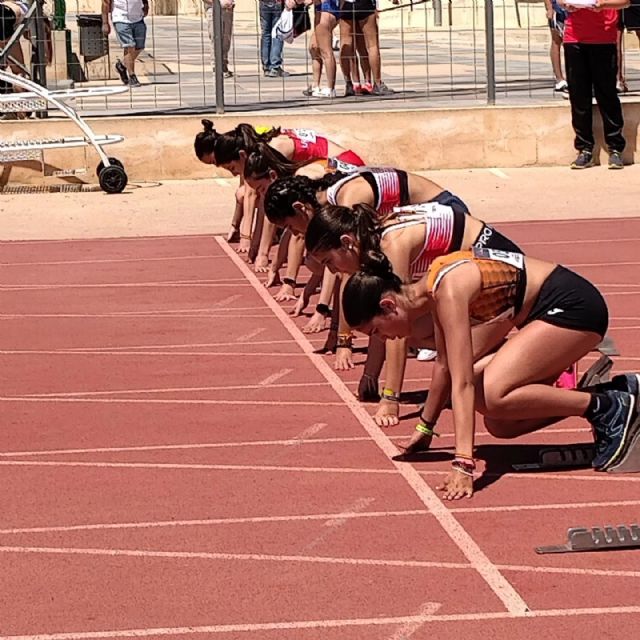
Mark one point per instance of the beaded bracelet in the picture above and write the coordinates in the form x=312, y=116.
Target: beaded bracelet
x=465, y=467
x=244, y=236
x=390, y=395
x=345, y=341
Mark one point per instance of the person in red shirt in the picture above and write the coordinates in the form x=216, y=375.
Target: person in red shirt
x=591, y=66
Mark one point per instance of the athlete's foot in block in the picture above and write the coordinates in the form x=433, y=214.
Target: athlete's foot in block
x=316, y=323
x=285, y=294
x=344, y=359
x=261, y=264
x=387, y=414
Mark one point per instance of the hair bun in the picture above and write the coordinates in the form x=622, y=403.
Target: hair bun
x=207, y=125
x=375, y=263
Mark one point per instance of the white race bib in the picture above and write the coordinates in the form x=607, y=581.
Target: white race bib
x=514, y=259
x=306, y=135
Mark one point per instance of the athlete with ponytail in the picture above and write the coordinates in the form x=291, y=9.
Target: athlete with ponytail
x=292, y=201
x=230, y=149
x=560, y=317
x=343, y=239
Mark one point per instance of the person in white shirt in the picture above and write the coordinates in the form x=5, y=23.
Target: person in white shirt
x=128, y=22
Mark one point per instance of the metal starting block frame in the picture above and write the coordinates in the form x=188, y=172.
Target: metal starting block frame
x=597, y=539
x=561, y=457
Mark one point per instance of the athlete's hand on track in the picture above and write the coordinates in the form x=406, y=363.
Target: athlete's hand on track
x=301, y=305
x=344, y=359
x=273, y=279
x=387, y=414
x=456, y=486
x=286, y=293
x=418, y=442
x=261, y=264
x=316, y=323
x=244, y=246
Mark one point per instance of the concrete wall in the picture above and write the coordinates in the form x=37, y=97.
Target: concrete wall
x=159, y=148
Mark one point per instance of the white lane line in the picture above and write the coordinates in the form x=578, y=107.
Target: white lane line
x=193, y=467
x=408, y=629
x=325, y=624
x=106, y=261
x=595, y=477
x=160, y=524
x=266, y=403
x=137, y=314
x=572, y=242
x=274, y=377
x=239, y=387
x=487, y=570
x=260, y=557
x=126, y=285
x=605, y=263
x=543, y=507
x=246, y=337
x=126, y=240
x=575, y=571
x=182, y=345
x=151, y=354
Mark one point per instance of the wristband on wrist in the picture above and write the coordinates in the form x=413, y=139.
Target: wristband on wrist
x=290, y=281
x=427, y=428
x=324, y=310
x=244, y=236
x=345, y=341
x=390, y=395
x=464, y=466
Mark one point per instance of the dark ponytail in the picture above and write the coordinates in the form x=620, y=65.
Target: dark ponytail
x=205, y=141
x=331, y=222
x=264, y=159
x=364, y=290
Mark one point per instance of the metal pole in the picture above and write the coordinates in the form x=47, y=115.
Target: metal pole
x=437, y=13
x=490, y=50
x=39, y=56
x=217, y=55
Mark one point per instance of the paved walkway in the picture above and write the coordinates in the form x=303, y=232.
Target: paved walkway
x=205, y=206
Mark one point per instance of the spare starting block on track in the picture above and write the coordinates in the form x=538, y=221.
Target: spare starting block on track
x=597, y=539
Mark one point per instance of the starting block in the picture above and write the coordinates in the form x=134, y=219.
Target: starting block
x=608, y=347
x=597, y=373
x=597, y=539
x=564, y=457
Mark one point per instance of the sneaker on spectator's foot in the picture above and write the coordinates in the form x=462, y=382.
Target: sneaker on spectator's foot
x=310, y=91
x=133, y=81
x=426, y=355
x=584, y=160
x=615, y=160
x=281, y=73
x=348, y=89
x=561, y=86
x=271, y=73
x=366, y=88
x=122, y=72
x=335, y=43
x=614, y=428
x=227, y=73
x=327, y=93
x=621, y=86
x=381, y=90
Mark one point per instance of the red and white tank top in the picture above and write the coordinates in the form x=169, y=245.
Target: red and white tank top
x=308, y=146
x=438, y=222
x=387, y=184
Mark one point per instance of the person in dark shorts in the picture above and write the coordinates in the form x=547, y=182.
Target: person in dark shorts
x=560, y=318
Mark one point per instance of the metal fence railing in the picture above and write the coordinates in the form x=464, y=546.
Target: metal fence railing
x=433, y=53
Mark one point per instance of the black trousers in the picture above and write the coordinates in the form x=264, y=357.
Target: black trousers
x=592, y=69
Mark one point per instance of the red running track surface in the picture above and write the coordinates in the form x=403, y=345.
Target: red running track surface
x=175, y=462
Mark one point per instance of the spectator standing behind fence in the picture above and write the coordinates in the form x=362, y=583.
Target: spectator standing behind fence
x=629, y=20
x=591, y=66
x=361, y=14
x=326, y=14
x=556, y=18
x=270, y=47
x=226, y=7
x=128, y=22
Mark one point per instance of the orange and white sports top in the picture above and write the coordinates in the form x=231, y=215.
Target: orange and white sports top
x=504, y=281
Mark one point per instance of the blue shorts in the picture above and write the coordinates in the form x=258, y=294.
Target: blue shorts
x=332, y=7
x=131, y=34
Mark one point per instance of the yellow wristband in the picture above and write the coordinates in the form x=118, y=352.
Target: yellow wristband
x=423, y=427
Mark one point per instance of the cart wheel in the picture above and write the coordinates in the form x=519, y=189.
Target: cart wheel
x=111, y=161
x=113, y=179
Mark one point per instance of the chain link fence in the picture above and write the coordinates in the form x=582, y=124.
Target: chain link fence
x=433, y=53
